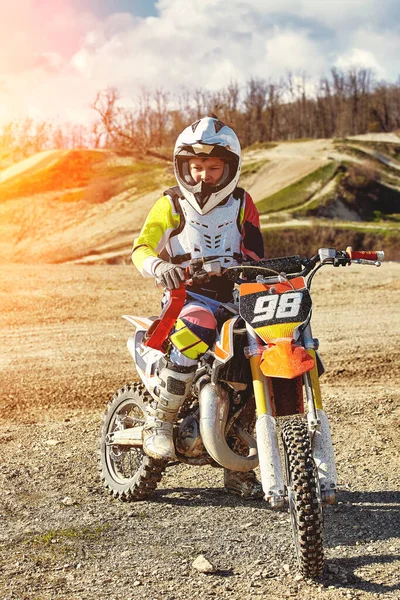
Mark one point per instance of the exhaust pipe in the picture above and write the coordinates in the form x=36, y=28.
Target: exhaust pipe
x=214, y=409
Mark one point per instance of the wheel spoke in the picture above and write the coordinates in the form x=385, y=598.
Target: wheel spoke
x=127, y=472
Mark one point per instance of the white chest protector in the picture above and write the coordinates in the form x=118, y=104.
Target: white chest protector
x=214, y=234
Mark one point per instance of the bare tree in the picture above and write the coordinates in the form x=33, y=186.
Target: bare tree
x=254, y=106
x=338, y=82
x=105, y=106
x=340, y=104
x=162, y=116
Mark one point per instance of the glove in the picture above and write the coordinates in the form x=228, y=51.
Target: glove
x=196, y=270
x=171, y=276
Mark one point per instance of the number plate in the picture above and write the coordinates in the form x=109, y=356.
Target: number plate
x=260, y=309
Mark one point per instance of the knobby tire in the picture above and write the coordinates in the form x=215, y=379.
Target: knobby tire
x=304, y=498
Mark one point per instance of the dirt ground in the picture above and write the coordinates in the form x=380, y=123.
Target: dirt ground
x=63, y=355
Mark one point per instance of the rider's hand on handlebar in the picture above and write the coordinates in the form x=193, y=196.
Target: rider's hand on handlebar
x=171, y=276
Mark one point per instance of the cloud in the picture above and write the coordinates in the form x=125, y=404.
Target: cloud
x=378, y=50
x=289, y=50
x=358, y=58
x=57, y=56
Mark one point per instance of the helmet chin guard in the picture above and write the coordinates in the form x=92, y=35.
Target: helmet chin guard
x=203, y=193
x=207, y=138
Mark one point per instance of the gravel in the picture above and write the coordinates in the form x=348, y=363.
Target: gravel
x=61, y=536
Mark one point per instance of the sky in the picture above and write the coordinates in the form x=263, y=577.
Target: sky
x=55, y=56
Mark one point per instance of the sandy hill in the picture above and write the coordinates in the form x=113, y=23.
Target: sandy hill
x=88, y=205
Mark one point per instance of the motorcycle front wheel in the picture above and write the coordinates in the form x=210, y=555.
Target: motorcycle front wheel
x=304, y=497
x=127, y=472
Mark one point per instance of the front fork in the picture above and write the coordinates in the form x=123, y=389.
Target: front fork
x=267, y=440
x=318, y=425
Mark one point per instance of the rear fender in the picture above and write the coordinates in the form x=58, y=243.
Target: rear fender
x=146, y=359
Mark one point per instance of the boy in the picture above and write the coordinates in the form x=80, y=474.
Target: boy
x=205, y=216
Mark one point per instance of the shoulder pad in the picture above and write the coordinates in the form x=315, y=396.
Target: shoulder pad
x=175, y=194
x=239, y=193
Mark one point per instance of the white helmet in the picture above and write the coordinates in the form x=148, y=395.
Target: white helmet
x=206, y=138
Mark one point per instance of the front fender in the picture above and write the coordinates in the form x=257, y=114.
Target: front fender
x=285, y=358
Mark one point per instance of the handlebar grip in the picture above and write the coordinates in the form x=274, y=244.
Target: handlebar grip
x=365, y=255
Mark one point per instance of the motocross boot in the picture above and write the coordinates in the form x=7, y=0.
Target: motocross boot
x=243, y=484
x=173, y=388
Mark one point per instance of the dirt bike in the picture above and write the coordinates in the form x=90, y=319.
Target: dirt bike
x=263, y=367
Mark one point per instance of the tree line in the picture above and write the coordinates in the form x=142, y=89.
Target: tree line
x=340, y=104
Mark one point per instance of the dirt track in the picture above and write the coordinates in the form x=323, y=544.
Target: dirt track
x=287, y=163
x=63, y=355
x=50, y=227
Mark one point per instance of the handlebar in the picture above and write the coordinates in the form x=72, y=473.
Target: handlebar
x=347, y=257
x=377, y=255
x=287, y=267
x=293, y=266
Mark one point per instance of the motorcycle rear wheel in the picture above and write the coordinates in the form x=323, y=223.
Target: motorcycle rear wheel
x=127, y=472
x=304, y=498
